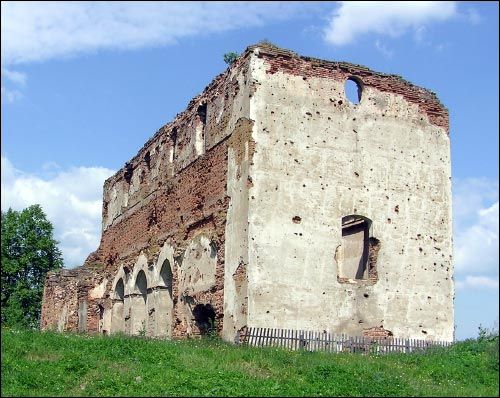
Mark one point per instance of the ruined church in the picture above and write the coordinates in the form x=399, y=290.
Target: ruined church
x=275, y=201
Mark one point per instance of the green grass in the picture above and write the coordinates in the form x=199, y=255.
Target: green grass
x=50, y=364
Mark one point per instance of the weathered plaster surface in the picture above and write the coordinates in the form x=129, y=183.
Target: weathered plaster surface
x=320, y=158
x=235, y=276
x=231, y=215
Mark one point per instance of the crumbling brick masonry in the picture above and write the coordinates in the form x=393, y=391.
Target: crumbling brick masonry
x=274, y=201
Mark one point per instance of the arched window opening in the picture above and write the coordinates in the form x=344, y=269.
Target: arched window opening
x=353, y=90
x=165, y=302
x=141, y=284
x=117, y=317
x=119, y=290
x=166, y=276
x=202, y=113
x=138, y=306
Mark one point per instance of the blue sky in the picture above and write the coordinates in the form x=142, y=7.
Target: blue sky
x=84, y=86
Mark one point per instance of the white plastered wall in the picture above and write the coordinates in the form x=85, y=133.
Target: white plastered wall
x=320, y=157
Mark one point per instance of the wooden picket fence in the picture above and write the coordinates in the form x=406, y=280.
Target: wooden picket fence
x=324, y=341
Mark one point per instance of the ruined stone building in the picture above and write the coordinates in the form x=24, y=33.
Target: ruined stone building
x=274, y=201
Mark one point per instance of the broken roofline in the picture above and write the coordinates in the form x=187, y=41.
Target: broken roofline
x=312, y=67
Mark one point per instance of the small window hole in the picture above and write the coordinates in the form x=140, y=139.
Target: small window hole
x=353, y=90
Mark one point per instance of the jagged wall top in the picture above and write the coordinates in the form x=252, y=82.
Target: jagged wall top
x=290, y=62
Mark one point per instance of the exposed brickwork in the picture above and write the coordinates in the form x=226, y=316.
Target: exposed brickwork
x=373, y=249
x=377, y=332
x=68, y=288
x=186, y=199
x=288, y=62
x=175, y=190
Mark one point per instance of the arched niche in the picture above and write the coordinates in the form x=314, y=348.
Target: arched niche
x=138, y=304
x=164, y=300
x=138, y=297
x=163, y=297
x=117, y=310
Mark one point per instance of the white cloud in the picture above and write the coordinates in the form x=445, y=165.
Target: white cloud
x=383, y=49
x=72, y=200
x=17, y=78
x=10, y=96
x=35, y=31
x=391, y=18
x=476, y=246
x=473, y=16
x=475, y=218
x=477, y=282
x=469, y=196
x=419, y=34
x=14, y=76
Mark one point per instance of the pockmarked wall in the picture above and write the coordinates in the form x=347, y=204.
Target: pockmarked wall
x=319, y=158
x=274, y=201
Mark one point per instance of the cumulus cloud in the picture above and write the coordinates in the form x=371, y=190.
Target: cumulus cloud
x=476, y=246
x=14, y=76
x=383, y=49
x=469, y=196
x=475, y=233
x=9, y=96
x=36, y=31
x=72, y=200
x=390, y=18
x=477, y=282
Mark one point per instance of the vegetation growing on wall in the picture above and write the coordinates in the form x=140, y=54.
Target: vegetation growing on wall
x=230, y=57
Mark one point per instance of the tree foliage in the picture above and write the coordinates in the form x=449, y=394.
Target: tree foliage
x=230, y=57
x=28, y=252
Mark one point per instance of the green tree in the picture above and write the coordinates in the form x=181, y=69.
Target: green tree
x=230, y=57
x=28, y=252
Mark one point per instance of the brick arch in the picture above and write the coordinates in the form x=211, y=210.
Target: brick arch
x=166, y=253
x=141, y=264
x=119, y=275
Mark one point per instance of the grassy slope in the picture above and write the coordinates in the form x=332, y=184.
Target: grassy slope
x=41, y=364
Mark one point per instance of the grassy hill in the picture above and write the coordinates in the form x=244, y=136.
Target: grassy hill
x=51, y=364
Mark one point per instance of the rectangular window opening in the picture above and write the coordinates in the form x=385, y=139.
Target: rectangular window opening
x=355, y=244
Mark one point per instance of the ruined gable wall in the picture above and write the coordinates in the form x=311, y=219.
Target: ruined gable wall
x=61, y=289
x=66, y=300
x=173, y=191
x=319, y=158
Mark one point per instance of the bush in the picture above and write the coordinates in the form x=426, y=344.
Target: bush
x=230, y=57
